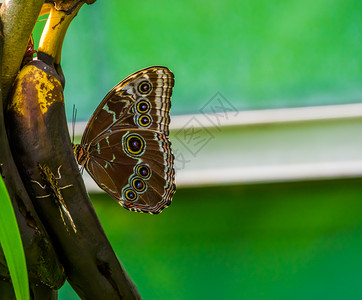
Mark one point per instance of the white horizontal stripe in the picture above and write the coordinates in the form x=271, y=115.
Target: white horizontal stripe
x=270, y=116
x=292, y=144
x=267, y=116
x=276, y=173
x=260, y=174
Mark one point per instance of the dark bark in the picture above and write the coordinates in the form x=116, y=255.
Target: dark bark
x=41, y=136
x=38, y=134
x=43, y=265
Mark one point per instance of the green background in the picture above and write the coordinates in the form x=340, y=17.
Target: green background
x=258, y=54
x=277, y=241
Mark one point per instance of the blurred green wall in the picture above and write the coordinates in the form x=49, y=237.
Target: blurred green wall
x=258, y=54
x=277, y=241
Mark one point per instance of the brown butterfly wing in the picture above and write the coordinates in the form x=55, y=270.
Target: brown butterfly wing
x=116, y=169
x=118, y=109
x=138, y=106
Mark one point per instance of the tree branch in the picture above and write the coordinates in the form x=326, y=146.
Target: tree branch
x=46, y=274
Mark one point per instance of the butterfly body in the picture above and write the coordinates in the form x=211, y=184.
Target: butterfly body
x=125, y=146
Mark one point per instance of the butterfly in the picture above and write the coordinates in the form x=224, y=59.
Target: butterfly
x=125, y=146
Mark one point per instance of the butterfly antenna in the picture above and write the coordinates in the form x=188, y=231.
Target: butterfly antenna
x=73, y=122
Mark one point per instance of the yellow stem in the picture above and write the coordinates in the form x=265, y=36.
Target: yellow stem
x=52, y=38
